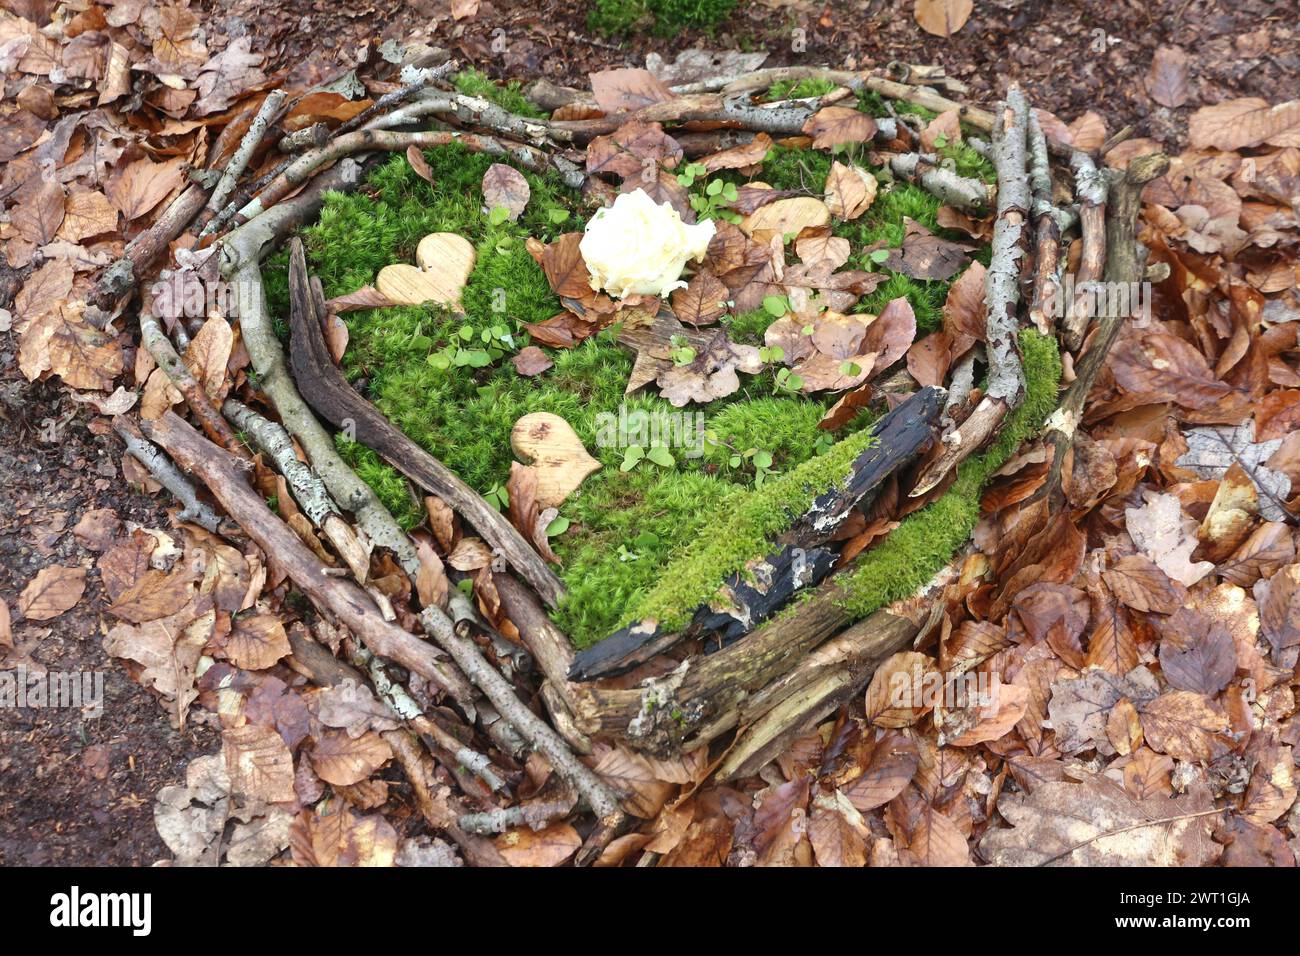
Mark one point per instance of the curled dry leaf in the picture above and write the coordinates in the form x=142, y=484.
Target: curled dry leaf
x=896, y=696
x=738, y=157
x=415, y=156
x=850, y=190
x=505, y=186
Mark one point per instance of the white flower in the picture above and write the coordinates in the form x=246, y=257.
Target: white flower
x=639, y=247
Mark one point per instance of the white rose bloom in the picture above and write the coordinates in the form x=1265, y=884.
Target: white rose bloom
x=639, y=247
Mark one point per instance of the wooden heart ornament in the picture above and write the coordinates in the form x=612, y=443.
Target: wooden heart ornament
x=550, y=444
x=445, y=261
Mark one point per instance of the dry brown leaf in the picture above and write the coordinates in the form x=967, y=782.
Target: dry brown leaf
x=259, y=763
x=786, y=217
x=896, y=695
x=257, y=642
x=549, y=847
x=850, y=190
x=1237, y=124
x=1096, y=823
x=43, y=292
x=209, y=354
x=832, y=125
x=1167, y=81
x=531, y=361
x=703, y=301
x=38, y=216
x=837, y=831
x=342, y=760
x=53, y=591
x=627, y=89
x=415, y=157
x=138, y=187
x=1185, y=725
x=942, y=18
x=505, y=186
x=168, y=651
x=738, y=157
x=1138, y=583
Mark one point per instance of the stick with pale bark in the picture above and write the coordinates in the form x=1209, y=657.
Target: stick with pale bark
x=1006, y=379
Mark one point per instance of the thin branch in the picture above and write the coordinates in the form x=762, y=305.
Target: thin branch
x=167, y=475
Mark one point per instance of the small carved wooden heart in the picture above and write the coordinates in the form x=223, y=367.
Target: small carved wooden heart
x=449, y=255
x=445, y=263
x=550, y=444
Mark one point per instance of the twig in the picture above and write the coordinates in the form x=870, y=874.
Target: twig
x=308, y=490
x=302, y=168
x=1090, y=188
x=320, y=382
x=140, y=254
x=594, y=790
x=167, y=475
x=158, y=345
x=224, y=476
x=1006, y=381
x=239, y=162
x=405, y=707
x=1124, y=265
x=1047, y=231
x=536, y=816
x=962, y=192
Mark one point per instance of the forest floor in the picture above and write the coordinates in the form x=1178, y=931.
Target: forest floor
x=77, y=790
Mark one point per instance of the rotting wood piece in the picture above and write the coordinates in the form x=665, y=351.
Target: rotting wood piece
x=326, y=389
x=803, y=558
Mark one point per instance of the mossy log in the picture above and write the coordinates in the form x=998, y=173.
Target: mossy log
x=804, y=554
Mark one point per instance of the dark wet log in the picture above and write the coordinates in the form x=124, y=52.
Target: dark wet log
x=325, y=388
x=804, y=557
